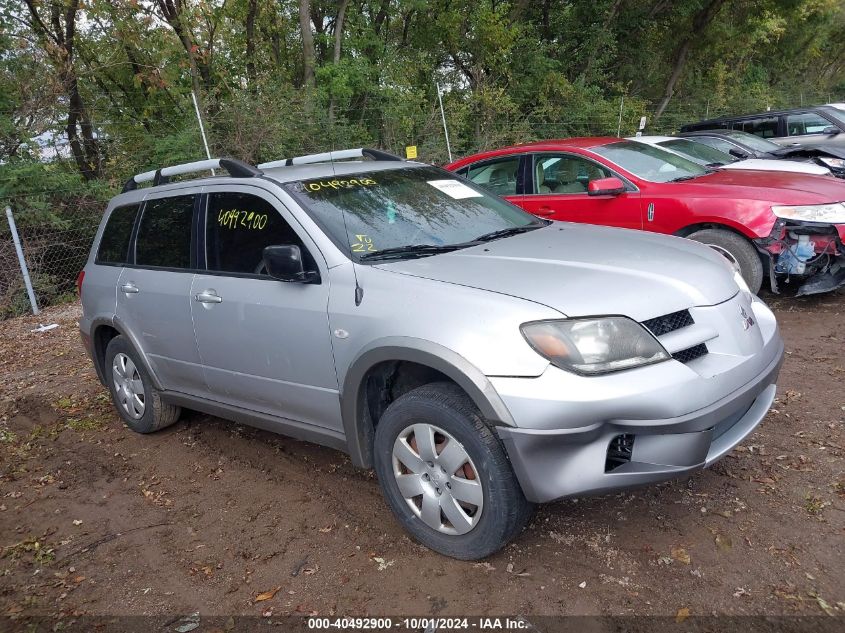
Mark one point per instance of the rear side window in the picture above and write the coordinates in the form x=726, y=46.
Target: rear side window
x=765, y=127
x=238, y=228
x=164, y=234
x=498, y=176
x=114, y=245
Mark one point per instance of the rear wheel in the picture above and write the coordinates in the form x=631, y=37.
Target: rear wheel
x=136, y=399
x=737, y=250
x=445, y=475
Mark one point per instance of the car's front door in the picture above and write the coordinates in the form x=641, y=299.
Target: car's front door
x=265, y=344
x=808, y=128
x=558, y=191
x=154, y=289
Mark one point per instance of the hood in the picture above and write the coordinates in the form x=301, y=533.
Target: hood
x=831, y=151
x=583, y=270
x=777, y=187
x=762, y=164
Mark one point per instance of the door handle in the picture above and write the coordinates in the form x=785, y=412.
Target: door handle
x=544, y=211
x=208, y=296
x=130, y=289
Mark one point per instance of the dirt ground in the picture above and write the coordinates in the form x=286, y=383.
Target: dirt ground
x=213, y=517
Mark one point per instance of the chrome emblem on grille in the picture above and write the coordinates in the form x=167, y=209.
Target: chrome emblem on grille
x=747, y=321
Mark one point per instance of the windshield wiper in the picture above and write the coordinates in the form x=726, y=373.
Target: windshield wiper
x=683, y=178
x=514, y=230
x=410, y=251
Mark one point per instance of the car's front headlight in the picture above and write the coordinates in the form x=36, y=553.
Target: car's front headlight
x=836, y=163
x=596, y=345
x=833, y=213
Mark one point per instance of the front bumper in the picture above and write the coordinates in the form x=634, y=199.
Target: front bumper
x=570, y=458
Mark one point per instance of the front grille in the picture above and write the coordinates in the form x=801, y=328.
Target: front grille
x=691, y=353
x=669, y=322
x=619, y=452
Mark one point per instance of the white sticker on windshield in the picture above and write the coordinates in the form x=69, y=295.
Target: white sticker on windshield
x=455, y=189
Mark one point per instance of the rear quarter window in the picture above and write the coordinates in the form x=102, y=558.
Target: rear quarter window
x=114, y=245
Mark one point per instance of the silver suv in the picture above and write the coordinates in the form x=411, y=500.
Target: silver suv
x=479, y=358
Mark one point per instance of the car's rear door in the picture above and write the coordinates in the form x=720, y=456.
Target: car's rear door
x=265, y=344
x=503, y=176
x=154, y=290
x=558, y=191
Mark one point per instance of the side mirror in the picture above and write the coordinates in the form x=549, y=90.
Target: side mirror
x=831, y=130
x=605, y=187
x=738, y=153
x=284, y=262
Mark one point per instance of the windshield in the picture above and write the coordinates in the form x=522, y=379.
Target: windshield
x=649, y=162
x=835, y=113
x=754, y=142
x=414, y=206
x=698, y=152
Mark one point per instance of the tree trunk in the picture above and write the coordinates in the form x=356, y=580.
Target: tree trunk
x=173, y=14
x=252, y=11
x=699, y=22
x=309, y=79
x=598, y=43
x=338, y=41
x=59, y=44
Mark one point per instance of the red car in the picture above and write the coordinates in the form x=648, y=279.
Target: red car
x=770, y=223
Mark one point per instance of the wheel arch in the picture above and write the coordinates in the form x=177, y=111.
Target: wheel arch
x=358, y=422
x=721, y=224
x=104, y=330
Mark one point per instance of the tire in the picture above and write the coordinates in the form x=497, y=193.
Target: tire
x=503, y=510
x=740, y=249
x=147, y=413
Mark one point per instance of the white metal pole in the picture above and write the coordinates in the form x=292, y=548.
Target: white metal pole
x=619, y=127
x=24, y=270
x=443, y=116
x=202, y=127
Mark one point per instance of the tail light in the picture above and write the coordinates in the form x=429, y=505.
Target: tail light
x=79, y=279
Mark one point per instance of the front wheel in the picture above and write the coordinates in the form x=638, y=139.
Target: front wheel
x=445, y=474
x=738, y=251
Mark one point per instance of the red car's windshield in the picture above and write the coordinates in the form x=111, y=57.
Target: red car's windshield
x=649, y=162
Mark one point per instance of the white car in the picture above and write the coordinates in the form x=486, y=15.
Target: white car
x=712, y=157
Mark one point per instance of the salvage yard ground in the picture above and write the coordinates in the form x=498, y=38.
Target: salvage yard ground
x=218, y=518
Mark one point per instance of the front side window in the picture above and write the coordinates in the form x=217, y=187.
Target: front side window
x=649, y=162
x=164, y=234
x=237, y=229
x=805, y=123
x=764, y=127
x=369, y=212
x=497, y=176
x=698, y=152
x=565, y=173
x=114, y=245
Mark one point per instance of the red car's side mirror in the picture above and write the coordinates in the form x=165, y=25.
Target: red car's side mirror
x=605, y=187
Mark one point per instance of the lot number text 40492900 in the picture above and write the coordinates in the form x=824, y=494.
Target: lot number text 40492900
x=419, y=624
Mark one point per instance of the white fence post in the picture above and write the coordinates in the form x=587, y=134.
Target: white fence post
x=24, y=270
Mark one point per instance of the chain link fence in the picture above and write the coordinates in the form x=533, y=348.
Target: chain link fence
x=54, y=253
x=57, y=225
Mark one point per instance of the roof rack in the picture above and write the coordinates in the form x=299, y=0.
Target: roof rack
x=327, y=157
x=236, y=169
